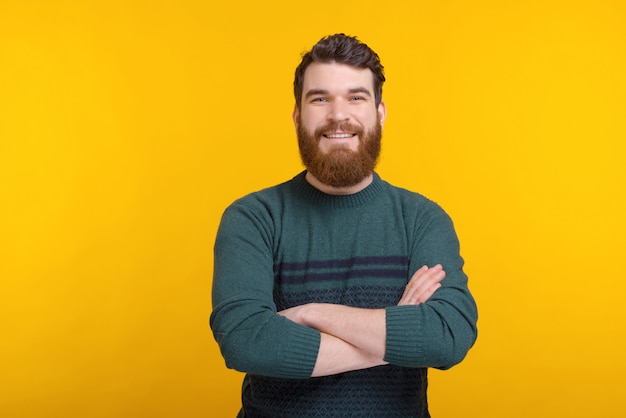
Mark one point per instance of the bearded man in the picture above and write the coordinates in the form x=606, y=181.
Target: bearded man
x=336, y=291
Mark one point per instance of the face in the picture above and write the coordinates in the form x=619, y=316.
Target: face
x=338, y=123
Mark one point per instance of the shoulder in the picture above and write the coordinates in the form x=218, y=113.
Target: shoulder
x=419, y=213
x=265, y=201
x=411, y=200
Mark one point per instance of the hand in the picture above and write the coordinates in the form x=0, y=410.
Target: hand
x=295, y=314
x=422, y=285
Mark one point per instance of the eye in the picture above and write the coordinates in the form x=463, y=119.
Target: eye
x=357, y=98
x=319, y=100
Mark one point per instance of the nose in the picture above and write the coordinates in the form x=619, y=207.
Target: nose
x=338, y=111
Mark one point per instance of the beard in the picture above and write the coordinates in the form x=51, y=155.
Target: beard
x=340, y=167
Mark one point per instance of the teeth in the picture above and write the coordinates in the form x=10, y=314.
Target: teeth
x=337, y=136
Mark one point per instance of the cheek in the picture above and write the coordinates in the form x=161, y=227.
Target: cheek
x=367, y=117
x=310, y=126
x=311, y=119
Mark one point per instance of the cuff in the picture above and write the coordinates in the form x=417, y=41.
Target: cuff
x=303, y=348
x=404, y=336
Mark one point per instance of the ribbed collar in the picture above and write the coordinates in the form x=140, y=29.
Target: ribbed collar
x=305, y=189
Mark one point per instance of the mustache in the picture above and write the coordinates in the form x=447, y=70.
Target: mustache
x=338, y=126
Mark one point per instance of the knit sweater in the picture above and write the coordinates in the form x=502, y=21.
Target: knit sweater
x=292, y=244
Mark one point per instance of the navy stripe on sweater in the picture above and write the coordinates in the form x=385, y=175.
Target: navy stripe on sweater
x=343, y=263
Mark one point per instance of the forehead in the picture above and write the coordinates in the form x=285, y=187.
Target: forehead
x=335, y=77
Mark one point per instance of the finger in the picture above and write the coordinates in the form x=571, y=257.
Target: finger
x=427, y=279
x=427, y=286
x=415, y=298
x=425, y=276
x=422, y=285
x=424, y=295
x=409, y=290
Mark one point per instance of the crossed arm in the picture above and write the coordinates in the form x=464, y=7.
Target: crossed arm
x=355, y=338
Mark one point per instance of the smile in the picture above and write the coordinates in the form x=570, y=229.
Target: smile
x=338, y=136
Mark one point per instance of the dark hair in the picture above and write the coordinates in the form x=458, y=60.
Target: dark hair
x=341, y=49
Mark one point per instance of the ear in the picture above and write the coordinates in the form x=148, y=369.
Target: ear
x=295, y=115
x=382, y=112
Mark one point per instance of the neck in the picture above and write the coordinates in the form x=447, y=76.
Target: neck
x=325, y=188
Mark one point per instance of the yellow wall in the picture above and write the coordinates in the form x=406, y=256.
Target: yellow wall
x=126, y=127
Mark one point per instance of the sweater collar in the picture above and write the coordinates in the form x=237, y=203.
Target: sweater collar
x=337, y=201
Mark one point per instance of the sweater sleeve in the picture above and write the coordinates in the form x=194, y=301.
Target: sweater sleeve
x=439, y=332
x=251, y=336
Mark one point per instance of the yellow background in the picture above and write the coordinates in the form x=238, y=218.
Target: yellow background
x=126, y=127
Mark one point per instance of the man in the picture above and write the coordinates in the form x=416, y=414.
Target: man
x=335, y=291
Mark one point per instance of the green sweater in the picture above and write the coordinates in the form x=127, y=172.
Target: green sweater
x=292, y=244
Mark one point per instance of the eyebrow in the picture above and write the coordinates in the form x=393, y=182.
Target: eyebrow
x=318, y=92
